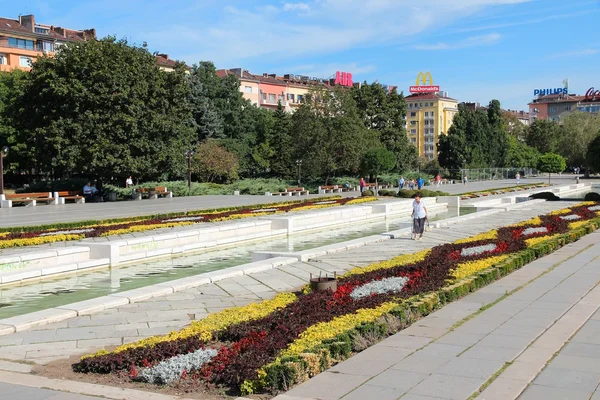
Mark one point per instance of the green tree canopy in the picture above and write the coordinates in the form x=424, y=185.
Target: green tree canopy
x=551, y=163
x=577, y=132
x=377, y=161
x=520, y=155
x=593, y=154
x=213, y=163
x=544, y=136
x=104, y=109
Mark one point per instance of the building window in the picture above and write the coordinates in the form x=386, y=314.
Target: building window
x=300, y=98
x=420, y=104
x=20, y=43
x=430, y=104
x=25, y=61
x=263, y=96
x=427, y=113
x=45, y=46
x=248, y=89
x=553, y=109
x=413, y=140
x=413, y=131
x=290, y=97
x=413, y=114
x=567, y=108
x=39, y=29
x=281, y=98
x=272, y=98
x=3, y=59
x=410, y=105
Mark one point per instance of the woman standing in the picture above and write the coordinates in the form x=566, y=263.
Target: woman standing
x=419, y=215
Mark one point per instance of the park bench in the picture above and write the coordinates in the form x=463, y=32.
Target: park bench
x=66, y=195
x=330, y=189
x=152, y=193
x=371, y=186
x=28, y=199
x=297, y=191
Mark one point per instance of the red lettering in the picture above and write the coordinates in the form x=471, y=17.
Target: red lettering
x=343, y=78
x=592, y=94
x=338, y=78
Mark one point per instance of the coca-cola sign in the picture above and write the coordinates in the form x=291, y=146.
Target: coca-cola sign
x=592, y=94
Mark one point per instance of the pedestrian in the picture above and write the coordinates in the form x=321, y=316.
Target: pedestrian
x=438, y=180
x=362, y=184
x=128, y=182
x=420, y=182
x=465, y=180
x=411, y=184
x=518, y=178
x=401, y=183
x=419, y=216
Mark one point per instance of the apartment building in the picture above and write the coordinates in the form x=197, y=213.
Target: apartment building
x=23, y=40
x=554, y=107
x=428, y=117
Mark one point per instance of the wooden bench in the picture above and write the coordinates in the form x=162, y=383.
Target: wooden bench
x=299, y=191
x=28, y=199
x=152, y=193
x=330, y=189
x=63, y=196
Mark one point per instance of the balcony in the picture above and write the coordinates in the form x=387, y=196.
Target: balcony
x=267, y=102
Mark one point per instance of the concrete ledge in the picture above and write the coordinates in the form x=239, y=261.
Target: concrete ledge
x=94, y=305
x=144, y=293
x=38, y=318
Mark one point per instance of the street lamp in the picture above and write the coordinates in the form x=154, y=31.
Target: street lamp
x=299, y=164
x=189, y=154
x=3, y=154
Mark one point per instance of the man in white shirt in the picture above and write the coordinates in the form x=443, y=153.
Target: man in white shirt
x=419, y=215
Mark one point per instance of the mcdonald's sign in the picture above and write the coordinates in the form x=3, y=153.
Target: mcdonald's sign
x=424, y=84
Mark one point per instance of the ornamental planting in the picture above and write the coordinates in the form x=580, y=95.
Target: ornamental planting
x=272, y=345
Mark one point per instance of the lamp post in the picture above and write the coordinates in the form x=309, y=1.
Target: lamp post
x=3, y=154
x=299, y=164
x=189, y=154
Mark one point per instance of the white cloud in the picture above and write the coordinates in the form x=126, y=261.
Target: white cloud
x=575, y=53
x=327, y=26
x=472, y=41
x=296, y=7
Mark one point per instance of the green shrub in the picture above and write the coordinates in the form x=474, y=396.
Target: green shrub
x=408, y=194
x=367, y=192
x=592, y=196
x=384, y=192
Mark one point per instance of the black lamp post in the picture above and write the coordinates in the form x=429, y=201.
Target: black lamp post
x=3, y=154
x=189, y=154
x=299, y=164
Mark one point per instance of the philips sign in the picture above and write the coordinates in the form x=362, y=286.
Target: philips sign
x=546, y=92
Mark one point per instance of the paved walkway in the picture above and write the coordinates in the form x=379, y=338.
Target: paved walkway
x=23, y=216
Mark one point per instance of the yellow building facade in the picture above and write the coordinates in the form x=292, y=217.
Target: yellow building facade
x=429, y=116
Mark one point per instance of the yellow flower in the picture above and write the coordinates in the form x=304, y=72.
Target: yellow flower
x=561, y=212
x=316, y=334
x=142, y=228
x=577, y=224
x=205, y=328
x=472, y=267
x=359, y=200
x=404, y=259
x=541, y=239
x=532, y=221
x=482, y=236
x=5, y=244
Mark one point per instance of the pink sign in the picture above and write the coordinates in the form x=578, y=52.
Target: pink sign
x=343, y=78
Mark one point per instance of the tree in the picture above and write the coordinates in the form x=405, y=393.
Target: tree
x=552, y=164
x=544, y=136
x=577, y=132
x=213, y=163
x=11, y=88
x=593, y=154
x=384, y=112
x=377, y=161
x=282, y=159
x=104, y=109
x=514, y=127
x=520, y=155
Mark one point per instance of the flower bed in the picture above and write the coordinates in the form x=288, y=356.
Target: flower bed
x=18, y=237
x=490, y=192
x=277, y=343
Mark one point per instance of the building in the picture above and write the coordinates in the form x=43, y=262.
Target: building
x=165, y=63
x=554, y=107
x=522, y=116
x=23, y=40
x=429, y=116
x=249, y=84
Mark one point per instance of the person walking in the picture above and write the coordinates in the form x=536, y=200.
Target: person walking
x=465, y=180
x=362, y=184
x=419, y=216
x=420, y=182
x=518, y=178
x=128, y=182
x=411, y=184
x=401, y=183
x=438, y=180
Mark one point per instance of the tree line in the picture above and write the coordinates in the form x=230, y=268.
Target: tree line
x=104, y=110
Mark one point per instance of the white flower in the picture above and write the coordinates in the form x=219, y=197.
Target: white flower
x=264, y=210
x=477, y=250
x=570, y=217
x=594, y=208
x=170, y=370
x=533, y=231
x=324, y=202
x=183, y=219
x=385, y=285
x=71, y=232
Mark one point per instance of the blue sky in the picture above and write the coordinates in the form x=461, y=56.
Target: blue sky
x=476, y=50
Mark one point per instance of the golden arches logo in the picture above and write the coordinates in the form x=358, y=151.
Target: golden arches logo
x=425, y=79
x=424, y=84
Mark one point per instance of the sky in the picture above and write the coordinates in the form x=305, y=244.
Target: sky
x=476, y=50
